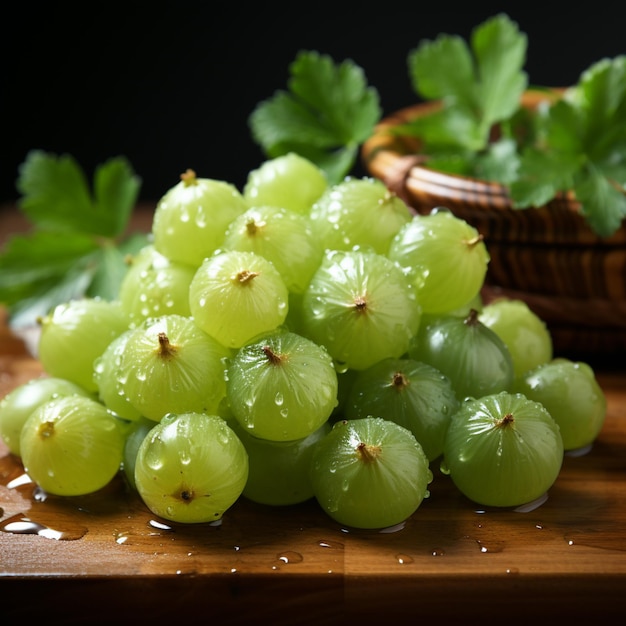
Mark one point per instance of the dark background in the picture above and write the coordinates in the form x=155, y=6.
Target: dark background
x=173, y=87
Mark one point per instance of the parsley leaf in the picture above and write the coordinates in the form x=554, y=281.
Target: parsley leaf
x=56, y=195
x=582, y=148
x=327, y=112
x=478, y=87
x=77, y=244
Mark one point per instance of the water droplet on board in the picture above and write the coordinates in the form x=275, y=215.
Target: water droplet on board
x=39, y=495
x=290, y=556
x=404, y=559
x=22, y=479
x=495, y=546
x=160, y=525
x=608, y=539
x=21, y=525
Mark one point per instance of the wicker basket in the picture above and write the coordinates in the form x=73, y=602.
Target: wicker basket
x=549, y=256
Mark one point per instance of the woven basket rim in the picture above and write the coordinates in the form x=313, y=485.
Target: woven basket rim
x=395, y=160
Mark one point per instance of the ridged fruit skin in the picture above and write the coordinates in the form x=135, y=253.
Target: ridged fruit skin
x=370, y=473
x=503, y=450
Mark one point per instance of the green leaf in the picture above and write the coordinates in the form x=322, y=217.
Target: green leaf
x=564, y=130
x=41, y=270
x=116, y=189
x=601, y=92
x=70, y=285
x=327, y=112
x=32, y=263
x=582, y=147
x=478, y=87
x=77, y=245
x=285, y=121
x=603, y=204
x=500, y=50
x=442, y=69
x=542, y=174
x=56, y=195
x=500, y=163
x=445, y=130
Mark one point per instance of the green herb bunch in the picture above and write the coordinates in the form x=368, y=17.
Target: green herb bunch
x=575, y=142
x=78, y=241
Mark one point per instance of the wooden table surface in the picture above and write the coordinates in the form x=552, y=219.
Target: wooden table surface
x=105, y=558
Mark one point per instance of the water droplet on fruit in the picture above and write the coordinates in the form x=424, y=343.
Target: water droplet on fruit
x=279, y=398
x=201, y=220
x=154, y=456
x=223, y=437
x=341, y=367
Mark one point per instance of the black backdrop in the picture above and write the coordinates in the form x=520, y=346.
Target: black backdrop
x=173, y=87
